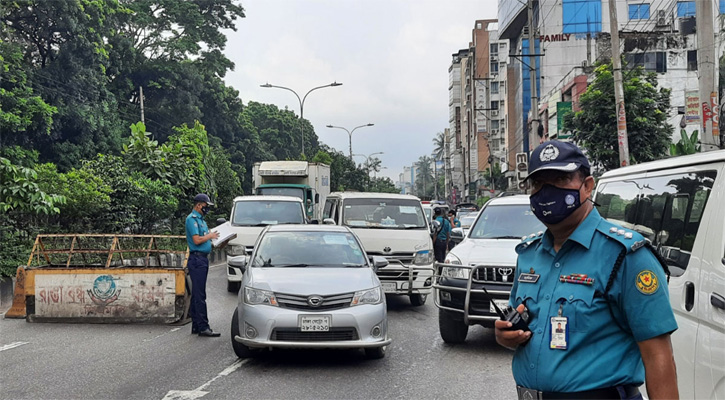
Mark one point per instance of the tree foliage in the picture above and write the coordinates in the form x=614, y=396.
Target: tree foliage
x=424, y=180
x=595, y=126
x=687, y=144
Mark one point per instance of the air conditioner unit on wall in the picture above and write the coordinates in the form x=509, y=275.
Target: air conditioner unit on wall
x=494, y=113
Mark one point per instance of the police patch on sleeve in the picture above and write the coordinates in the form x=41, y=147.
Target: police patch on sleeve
x=646, y=282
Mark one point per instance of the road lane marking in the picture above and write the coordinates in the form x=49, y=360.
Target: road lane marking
x=12, y=345
x=158, y=336
x=199, y=392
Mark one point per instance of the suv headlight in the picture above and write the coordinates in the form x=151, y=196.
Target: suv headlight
x=452, y=259
x=256, y=296
x=236, y=250
x=370, y=296
x=455, y=272
x=423, y=257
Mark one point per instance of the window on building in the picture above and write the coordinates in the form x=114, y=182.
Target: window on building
x=494, y=48
x=652, y=62
x=479, y=26
x=639, y=11
x=685, y=8
x=494, y=87
x=494, y=124
x=494, y=105
x=494, y=67
x=692, y=60
x=582, y=16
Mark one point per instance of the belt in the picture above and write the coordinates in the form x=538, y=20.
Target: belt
x=605, y=393
x=198, y=253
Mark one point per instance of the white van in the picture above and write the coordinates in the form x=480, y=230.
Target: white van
x=250, y=214
x=679, y=205
x=393, y=226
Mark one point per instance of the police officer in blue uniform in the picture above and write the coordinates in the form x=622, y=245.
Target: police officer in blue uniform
x=594, y=293
x=199, y=239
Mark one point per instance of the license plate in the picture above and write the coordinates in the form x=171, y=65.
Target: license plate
x=388, y=287
x=314, y=323
x=502, y=304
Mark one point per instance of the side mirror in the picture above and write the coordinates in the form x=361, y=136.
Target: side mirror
x=379, y=262
x=238, y=262
x=328, y=221
x=317, y=198
x=220, y=221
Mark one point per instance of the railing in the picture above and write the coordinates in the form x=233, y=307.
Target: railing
x=109, y=250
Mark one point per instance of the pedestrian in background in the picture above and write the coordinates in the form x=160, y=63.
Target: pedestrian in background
x=199, y=240
x=595, y=293
x=444, y=235
x=455, y=223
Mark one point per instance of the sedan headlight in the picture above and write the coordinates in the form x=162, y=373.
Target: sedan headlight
x=452, y=259
x=455, y=272
x=423, y=257
x=255, y=296
x=236, y=250
x=370, y=296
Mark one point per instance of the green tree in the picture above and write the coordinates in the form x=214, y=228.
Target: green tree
x=424, y=179
x=439, y=146
x=383, y=184
x=686, y=145
x=595, y=126
x=498, y=181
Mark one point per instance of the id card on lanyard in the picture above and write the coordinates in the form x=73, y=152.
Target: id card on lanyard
x=559, y=333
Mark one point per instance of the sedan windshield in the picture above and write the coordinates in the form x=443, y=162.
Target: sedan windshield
x=261, y=213
x=309, y=249
x=384, y=214
x=506, y=222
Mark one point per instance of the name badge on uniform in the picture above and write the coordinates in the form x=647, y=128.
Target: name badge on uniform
x=528, y=278
x=559, y=333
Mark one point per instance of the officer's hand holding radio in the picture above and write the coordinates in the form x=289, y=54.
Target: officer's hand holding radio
x=508, y=338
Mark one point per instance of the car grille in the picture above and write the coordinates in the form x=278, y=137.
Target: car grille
x=297, y=302
x=385, y=274
x=503, y=275
x=295, y=335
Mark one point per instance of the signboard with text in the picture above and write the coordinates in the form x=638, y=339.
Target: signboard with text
x=692, y=107
x=562, y=108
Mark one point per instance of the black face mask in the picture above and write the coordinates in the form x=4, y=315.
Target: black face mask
x=552, y=205
x=205, y=210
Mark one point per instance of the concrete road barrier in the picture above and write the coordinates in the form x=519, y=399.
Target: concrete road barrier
x=64, y=282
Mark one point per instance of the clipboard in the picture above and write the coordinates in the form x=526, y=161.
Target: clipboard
x=226, y=234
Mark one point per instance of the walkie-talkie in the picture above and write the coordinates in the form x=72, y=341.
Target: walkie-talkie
x=518, y=320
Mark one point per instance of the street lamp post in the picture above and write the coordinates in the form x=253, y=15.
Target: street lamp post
x=302, y=104
x=367, y=162
x=349, y=133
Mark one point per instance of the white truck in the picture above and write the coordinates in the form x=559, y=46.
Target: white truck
x=307, y=181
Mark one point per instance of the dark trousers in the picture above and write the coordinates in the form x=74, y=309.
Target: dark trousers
x=198, y=266
x=439, y=250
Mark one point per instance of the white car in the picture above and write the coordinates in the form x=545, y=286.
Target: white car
x=310, y=286
x=250, y=214
x=488, y=255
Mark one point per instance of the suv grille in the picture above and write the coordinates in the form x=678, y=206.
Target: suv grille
x=297, y=302
x=295, y=335
x=395, y=258
x=505, y=275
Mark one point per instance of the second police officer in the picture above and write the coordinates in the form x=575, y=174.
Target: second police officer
x=596, y=295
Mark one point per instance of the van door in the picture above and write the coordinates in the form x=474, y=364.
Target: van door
x=330, y=209
x=710, y=353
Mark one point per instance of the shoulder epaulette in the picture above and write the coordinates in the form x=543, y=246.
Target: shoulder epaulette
x=631, y=240
x=527, y=241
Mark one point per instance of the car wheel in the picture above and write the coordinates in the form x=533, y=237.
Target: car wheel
x=233, y=287
x=375, y=353
x=451, y=327
x=240, y=350
x=418, y=299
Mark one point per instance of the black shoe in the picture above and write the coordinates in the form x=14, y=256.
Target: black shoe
x=209, y=333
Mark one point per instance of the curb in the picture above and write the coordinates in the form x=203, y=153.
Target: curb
x=7, y=288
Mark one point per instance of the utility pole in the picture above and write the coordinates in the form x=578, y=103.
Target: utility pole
x=532, y=77
x=706, y=75
x=618, y=87
x=140, y=95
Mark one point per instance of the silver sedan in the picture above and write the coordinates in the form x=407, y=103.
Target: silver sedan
x=309, y=286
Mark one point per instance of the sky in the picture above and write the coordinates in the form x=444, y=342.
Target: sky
x=392, y=57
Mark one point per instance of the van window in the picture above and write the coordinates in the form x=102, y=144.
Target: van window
x=666, y=210
x=327, y=211
x=372, y=213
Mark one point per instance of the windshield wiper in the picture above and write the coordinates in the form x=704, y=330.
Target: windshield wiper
x=506, y=237
x=346, y=265
x=300, y=265
x=414, y=227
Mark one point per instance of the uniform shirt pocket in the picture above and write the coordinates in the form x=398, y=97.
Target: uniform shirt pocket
x=578, y=300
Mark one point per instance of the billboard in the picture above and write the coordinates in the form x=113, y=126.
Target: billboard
x=562, y=108
x=692, y=107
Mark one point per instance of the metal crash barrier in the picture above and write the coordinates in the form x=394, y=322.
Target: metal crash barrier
x=437, y=286
x=397, y=269
x=104, y=278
